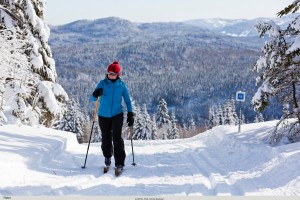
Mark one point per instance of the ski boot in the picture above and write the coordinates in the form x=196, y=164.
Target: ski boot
x=107, y=162
x=118, y=170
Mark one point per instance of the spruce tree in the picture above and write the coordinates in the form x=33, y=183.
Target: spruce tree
x=26, y=58
x=259, y=118
x=192, y=125
x=174, y=134
x=96, y=137
x=138, y=124
x=146, y=132
x=279, y=72
x=144, y=128
x=211, y=117
x=184, y=130
x=227, y=114
x=235, y=117
x=154, y=129
x=163, y=119
x=72, y=120
x=230, y=117
x=220, y=115
x=243, y=119
x=162, y=116
x=87, y=129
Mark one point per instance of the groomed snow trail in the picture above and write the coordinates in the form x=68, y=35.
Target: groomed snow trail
x=221, y=161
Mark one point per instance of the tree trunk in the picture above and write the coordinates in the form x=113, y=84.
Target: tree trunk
x=296, y=106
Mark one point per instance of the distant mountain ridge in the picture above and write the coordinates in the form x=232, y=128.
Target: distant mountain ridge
x=237, y=27
x=113, y=29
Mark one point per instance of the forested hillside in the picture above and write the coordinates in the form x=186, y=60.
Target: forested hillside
x=192, y=68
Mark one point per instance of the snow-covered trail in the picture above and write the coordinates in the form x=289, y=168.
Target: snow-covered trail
x=221, y=161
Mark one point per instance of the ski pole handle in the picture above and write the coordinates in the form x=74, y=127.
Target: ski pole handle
x=96, y=109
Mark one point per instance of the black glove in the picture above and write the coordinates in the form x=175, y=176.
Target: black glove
x=98, y=92
x=130, y=118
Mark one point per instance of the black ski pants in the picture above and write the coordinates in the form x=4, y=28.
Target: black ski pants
x=111, y=130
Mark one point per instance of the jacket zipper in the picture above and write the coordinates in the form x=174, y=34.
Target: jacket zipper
x=112, y=100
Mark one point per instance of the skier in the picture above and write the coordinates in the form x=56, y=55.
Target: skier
x=110, y=115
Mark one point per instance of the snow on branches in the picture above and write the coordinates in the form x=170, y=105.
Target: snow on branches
x=279, y=72
x=28, y=73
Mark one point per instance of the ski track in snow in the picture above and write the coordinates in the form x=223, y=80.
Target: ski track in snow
x=40, y=161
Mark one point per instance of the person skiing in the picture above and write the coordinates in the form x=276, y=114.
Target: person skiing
x=110, y=115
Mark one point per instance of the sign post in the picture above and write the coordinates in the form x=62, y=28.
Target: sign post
x=240, y=96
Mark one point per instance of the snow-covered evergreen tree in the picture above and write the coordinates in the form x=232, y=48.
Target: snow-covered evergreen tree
x=14, y=67
x=19, y=110
x=211, y=117
x=163, y=119
x=230, y=111
x=241, y=118
x=234, y=112
x=144, y=128
x=87, y=128
x=72, y=120
x=259, y=118
x=138, y=124
x=26, y=60
x=184, y=130
x=12, y=58
x=162, y=115
x=223, y=114
x=220, y=115
x=192, y=125
x=147, y=132
x=96, y=137
x=154, y=129
x=174, y=134
x=279, y=71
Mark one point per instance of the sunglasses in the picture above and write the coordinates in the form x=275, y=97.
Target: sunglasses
x=111, y=74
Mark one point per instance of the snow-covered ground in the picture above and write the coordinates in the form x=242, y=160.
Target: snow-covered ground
x=221, y=161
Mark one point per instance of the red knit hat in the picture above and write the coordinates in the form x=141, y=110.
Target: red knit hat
x=114, y=67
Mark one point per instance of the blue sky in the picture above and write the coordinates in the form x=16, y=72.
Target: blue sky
x=64, y=11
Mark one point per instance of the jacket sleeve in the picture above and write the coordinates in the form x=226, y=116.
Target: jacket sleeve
x=127, y=99
x=100, y=85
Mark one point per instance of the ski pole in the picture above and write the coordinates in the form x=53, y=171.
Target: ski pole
x=95, y=118
x=131, y=134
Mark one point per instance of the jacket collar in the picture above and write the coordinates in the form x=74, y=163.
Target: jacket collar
x=110, y=81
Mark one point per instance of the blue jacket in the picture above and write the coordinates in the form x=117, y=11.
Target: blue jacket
x=111, y=98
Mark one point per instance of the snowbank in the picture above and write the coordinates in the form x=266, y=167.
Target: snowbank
x=221, y=161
